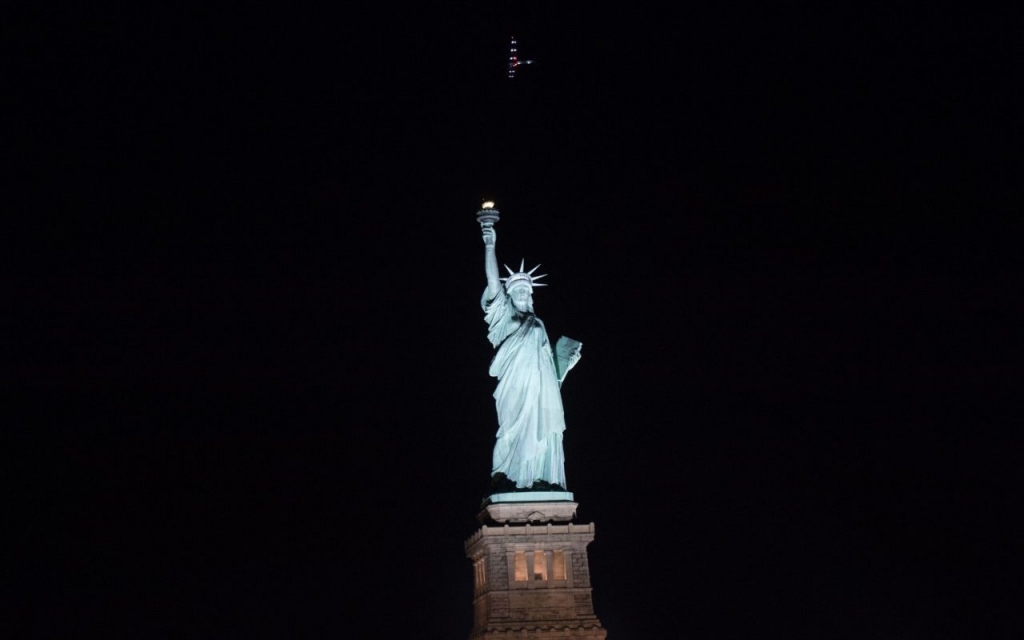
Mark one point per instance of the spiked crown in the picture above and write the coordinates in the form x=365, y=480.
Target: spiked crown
x=522, y=278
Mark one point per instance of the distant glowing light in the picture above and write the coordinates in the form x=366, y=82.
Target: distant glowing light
x=489, y=204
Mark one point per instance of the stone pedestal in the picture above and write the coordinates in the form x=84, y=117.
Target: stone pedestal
x=531, y=574
x=518, y=511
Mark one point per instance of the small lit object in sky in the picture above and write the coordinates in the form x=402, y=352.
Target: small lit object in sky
x=488, y=204
x=514, y=61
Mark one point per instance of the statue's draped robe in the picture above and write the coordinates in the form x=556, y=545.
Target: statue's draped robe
x=530, y=416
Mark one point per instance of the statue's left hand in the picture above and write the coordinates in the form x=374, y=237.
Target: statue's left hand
x=575, y=356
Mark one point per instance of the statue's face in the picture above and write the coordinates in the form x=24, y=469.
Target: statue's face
x=521, y=298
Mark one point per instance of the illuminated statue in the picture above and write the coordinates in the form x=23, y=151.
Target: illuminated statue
x=528, y=451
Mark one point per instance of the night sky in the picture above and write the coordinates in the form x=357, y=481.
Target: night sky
x=249, y=367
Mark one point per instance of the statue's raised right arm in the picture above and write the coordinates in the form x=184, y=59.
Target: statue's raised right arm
x=491, y=262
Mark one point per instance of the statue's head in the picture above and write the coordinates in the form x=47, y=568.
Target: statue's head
x=522, y=298
x=519, y=286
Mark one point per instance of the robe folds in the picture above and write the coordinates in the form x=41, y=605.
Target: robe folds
x=528, y=443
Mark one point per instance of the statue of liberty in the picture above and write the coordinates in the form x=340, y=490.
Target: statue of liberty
x=528, y=451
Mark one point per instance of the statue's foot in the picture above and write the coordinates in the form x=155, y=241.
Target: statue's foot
x=500, y=483
x=544, y=485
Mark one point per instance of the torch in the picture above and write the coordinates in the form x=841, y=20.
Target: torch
x=487, y=215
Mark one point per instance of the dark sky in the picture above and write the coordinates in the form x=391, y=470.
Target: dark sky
x=250, y=367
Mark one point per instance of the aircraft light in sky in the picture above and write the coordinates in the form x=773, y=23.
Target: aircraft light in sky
x=513, y=60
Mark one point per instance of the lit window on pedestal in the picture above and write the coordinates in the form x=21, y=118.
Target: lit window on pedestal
x=481, y=578
x=520, y=566
x=540, y=566
x=558, y=565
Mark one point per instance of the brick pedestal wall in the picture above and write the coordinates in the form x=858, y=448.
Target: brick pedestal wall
x=532, y=582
